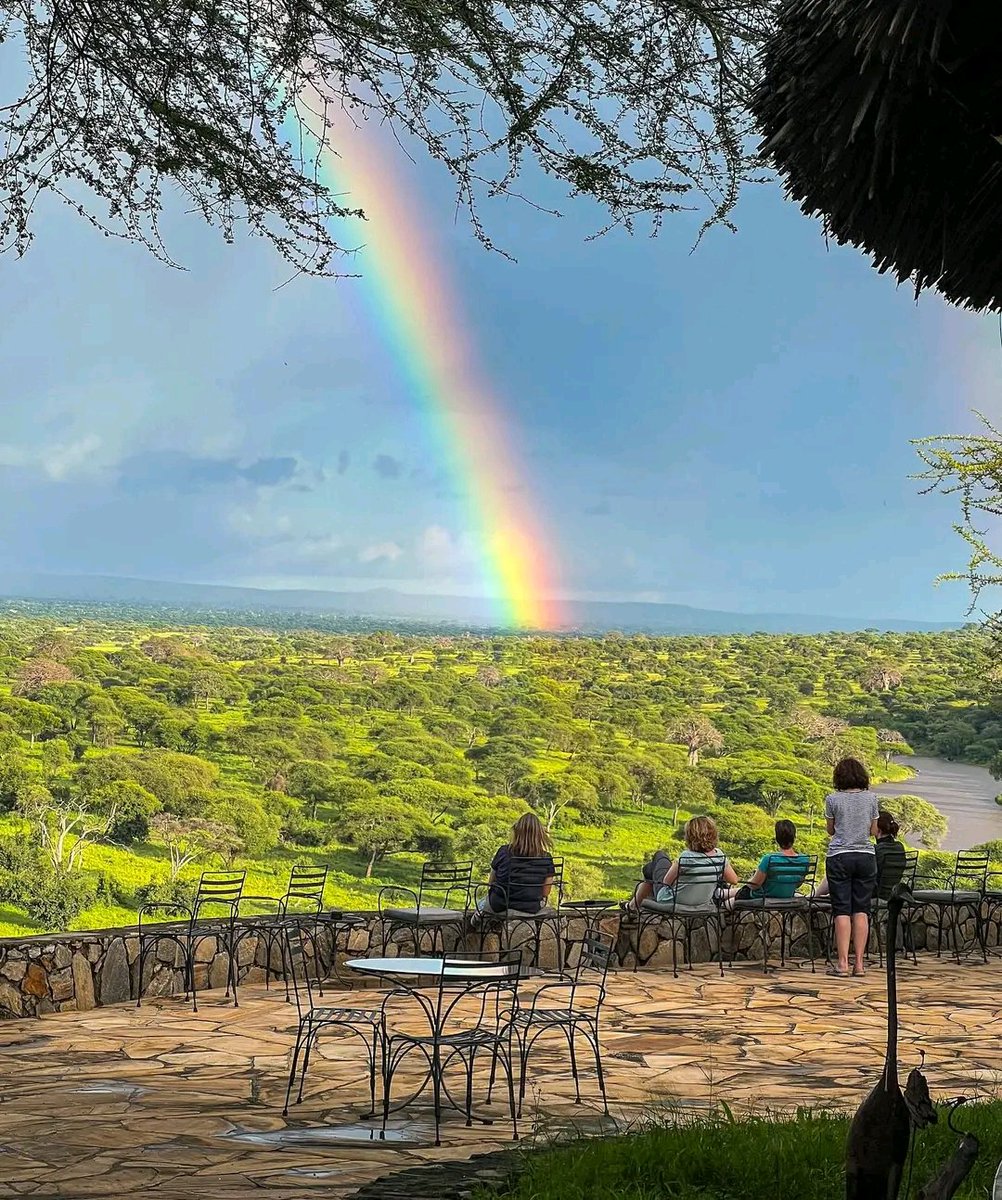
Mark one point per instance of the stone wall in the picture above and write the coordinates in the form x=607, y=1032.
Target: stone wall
x=81, y=970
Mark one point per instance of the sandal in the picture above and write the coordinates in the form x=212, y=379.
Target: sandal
x=831, y=969
x=858, y=971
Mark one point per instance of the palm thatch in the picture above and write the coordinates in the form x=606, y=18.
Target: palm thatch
x=885, y=119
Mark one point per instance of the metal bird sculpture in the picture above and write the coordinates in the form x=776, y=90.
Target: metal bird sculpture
x=881, y=1129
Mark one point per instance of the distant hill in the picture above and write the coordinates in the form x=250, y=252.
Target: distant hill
x=388, y=606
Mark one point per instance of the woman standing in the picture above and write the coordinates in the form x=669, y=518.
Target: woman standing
x=851, y=812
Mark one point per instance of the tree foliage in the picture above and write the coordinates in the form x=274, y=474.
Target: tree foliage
x=110, y=106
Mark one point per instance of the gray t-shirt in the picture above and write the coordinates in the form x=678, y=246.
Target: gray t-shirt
x=852, y=813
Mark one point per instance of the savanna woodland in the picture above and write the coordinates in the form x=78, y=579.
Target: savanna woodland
x=132, y=757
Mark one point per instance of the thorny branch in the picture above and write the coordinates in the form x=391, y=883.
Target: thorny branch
x=638, y=104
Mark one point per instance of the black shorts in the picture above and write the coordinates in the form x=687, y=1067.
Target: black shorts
x=852, y=878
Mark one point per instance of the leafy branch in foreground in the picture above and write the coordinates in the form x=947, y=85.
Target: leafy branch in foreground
x=226, y=101
x=969, y=466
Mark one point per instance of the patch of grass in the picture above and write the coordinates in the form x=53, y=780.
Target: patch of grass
x=714, y=1157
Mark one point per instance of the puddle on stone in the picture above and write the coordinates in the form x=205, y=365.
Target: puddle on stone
x=326, y=1135
x=109, y=1087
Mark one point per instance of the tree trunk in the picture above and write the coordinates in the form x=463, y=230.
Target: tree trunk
x=953, y=1174
x=372, y=863
x=693, y=756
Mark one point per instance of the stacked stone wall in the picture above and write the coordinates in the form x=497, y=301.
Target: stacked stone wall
x=53, y=973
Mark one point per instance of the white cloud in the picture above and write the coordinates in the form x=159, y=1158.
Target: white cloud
x=380, y=550
x=442, y=551
x=59, y=461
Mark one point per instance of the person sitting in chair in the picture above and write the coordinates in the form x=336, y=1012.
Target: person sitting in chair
x=779, y=874
x=522, y=872
x=654, y=873
x=689, y=881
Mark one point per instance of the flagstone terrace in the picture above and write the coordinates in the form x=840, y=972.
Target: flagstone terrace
x=159, y=1101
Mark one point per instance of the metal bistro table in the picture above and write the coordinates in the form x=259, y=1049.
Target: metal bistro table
x=409, y=975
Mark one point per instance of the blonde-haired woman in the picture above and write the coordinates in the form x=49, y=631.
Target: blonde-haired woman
x=522, y=871
x=700, y=869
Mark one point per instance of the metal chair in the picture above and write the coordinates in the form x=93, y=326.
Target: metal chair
x=523, y=875
x=442, y=900
x=892, y=870
x=964, y=893
x=993, y=910
x=786, y=874
x=456, y=1036
x=304, y=893
x=366, y=1024
x=216, y=890
x=685, y=917
x=583, y=995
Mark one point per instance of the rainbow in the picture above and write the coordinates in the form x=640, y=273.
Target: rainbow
x=421, y=324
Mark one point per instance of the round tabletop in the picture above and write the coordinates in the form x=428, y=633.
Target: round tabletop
x=592, y=905
x=432, y=967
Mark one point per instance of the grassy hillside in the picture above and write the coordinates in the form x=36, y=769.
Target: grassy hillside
x=371, y=752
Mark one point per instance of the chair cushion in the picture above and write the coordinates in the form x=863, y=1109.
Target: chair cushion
x=515, y=914
x=772, y=904
x=423, y=916
x=945, y=896
x=671, y=909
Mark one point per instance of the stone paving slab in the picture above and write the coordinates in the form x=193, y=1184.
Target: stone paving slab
x=120, y=1102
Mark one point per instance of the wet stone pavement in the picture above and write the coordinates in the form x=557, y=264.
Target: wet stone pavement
x=163, y=1102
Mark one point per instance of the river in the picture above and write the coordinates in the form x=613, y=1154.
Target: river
x=965, y=795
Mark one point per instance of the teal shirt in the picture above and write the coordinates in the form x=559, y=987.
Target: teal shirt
x=784, y=873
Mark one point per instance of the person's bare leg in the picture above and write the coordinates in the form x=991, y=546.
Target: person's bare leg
x=860, y=936
x=644, y=891
x=843, y=926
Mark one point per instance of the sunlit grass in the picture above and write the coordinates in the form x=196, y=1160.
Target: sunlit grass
x=714, y=1157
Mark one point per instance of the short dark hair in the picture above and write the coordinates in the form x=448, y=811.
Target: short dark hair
x=850, y=773
x=786, y=834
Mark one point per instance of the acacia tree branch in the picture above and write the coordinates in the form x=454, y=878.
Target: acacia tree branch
x=639, y=106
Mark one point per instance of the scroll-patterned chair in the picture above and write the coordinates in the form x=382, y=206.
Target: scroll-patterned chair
x=212, y=914
x=440, y=902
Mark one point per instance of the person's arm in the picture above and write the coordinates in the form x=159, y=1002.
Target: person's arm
x=672, y=874
x=730, y=876
x=757, y=879
x=547, y=884
x=829, y=818
x=874, y=814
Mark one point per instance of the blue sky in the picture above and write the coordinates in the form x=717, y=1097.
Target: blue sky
x=727, y=427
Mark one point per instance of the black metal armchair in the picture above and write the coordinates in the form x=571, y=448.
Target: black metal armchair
x=300, y=954
x=217, y=890
x=517, y=927
x=572, y=1007
x=682, y=919
x=304, y=895
x=893, y=869
x=964, y=894
x=791, y=875
x=441, y=902
x=470, y=1013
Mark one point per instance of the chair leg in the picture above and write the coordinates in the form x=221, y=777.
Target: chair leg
x=292, y=1070
x=596, y=1045
x=509, y=1065
x=311, y=1037
x=143, y=952
x=574, y=1063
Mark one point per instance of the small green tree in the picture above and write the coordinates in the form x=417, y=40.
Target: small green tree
x=917, y=817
